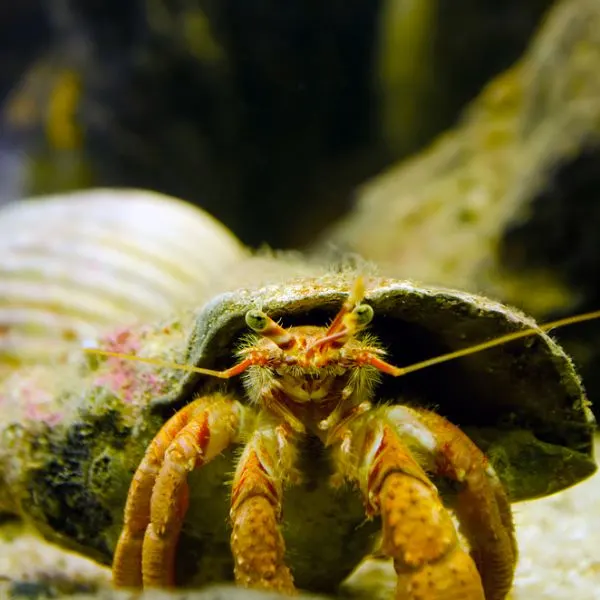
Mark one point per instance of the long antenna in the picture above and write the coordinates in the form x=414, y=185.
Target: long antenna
x=231, y=372
x=509, y=337
x=240, y=367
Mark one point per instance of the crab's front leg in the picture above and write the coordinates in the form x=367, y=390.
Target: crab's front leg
x=481, y=505
x=266, y=464
x=157, y=499
x=418, y=532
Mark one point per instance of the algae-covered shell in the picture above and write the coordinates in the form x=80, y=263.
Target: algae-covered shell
x=69, y=475
x=521, y=402
x=74, y=264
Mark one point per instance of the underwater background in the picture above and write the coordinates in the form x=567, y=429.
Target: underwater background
x=453, y=143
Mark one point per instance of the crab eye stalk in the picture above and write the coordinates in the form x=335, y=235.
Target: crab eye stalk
x=257, y=320
x=347, y=326
x=263, y=324
x=363, y=314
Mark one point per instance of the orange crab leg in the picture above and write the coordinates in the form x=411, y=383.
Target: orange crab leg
x=127, y=562
x=157, y=498
x=481, y=505
x=418, y=532
x=256, y=542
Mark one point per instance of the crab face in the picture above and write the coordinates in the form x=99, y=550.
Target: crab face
x=327, y=369
x=308, y=370
x=313, y=380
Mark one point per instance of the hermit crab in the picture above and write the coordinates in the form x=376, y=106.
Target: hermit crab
x=273, y=436
x=311, y=395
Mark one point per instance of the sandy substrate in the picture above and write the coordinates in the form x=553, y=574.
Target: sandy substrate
x=560, y=545
x=559, y=541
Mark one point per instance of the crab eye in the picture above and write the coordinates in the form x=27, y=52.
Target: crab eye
x=257, y=320
x=364, y=314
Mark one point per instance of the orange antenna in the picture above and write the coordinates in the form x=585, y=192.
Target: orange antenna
x=237, y=369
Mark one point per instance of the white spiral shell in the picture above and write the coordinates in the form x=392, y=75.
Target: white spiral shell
x=74, y=264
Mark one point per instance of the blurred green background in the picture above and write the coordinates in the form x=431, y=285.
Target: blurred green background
x=266, y=113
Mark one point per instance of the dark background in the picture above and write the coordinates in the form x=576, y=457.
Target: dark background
x=268, y=114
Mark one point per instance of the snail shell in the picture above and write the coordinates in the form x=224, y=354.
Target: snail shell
x=73, y=264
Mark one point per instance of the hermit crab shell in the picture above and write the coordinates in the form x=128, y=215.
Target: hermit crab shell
x=522, y=402
x=67, y=469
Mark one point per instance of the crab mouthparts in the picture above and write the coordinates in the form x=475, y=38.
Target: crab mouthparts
x=314, y=376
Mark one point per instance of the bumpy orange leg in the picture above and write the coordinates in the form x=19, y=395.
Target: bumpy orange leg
x=481, y=505
x=157, y=499
x=256, y=542
x=418, y=532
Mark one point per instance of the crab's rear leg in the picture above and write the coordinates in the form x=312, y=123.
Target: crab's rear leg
x=157, y=499
x=418, y=532
x=266, y=464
